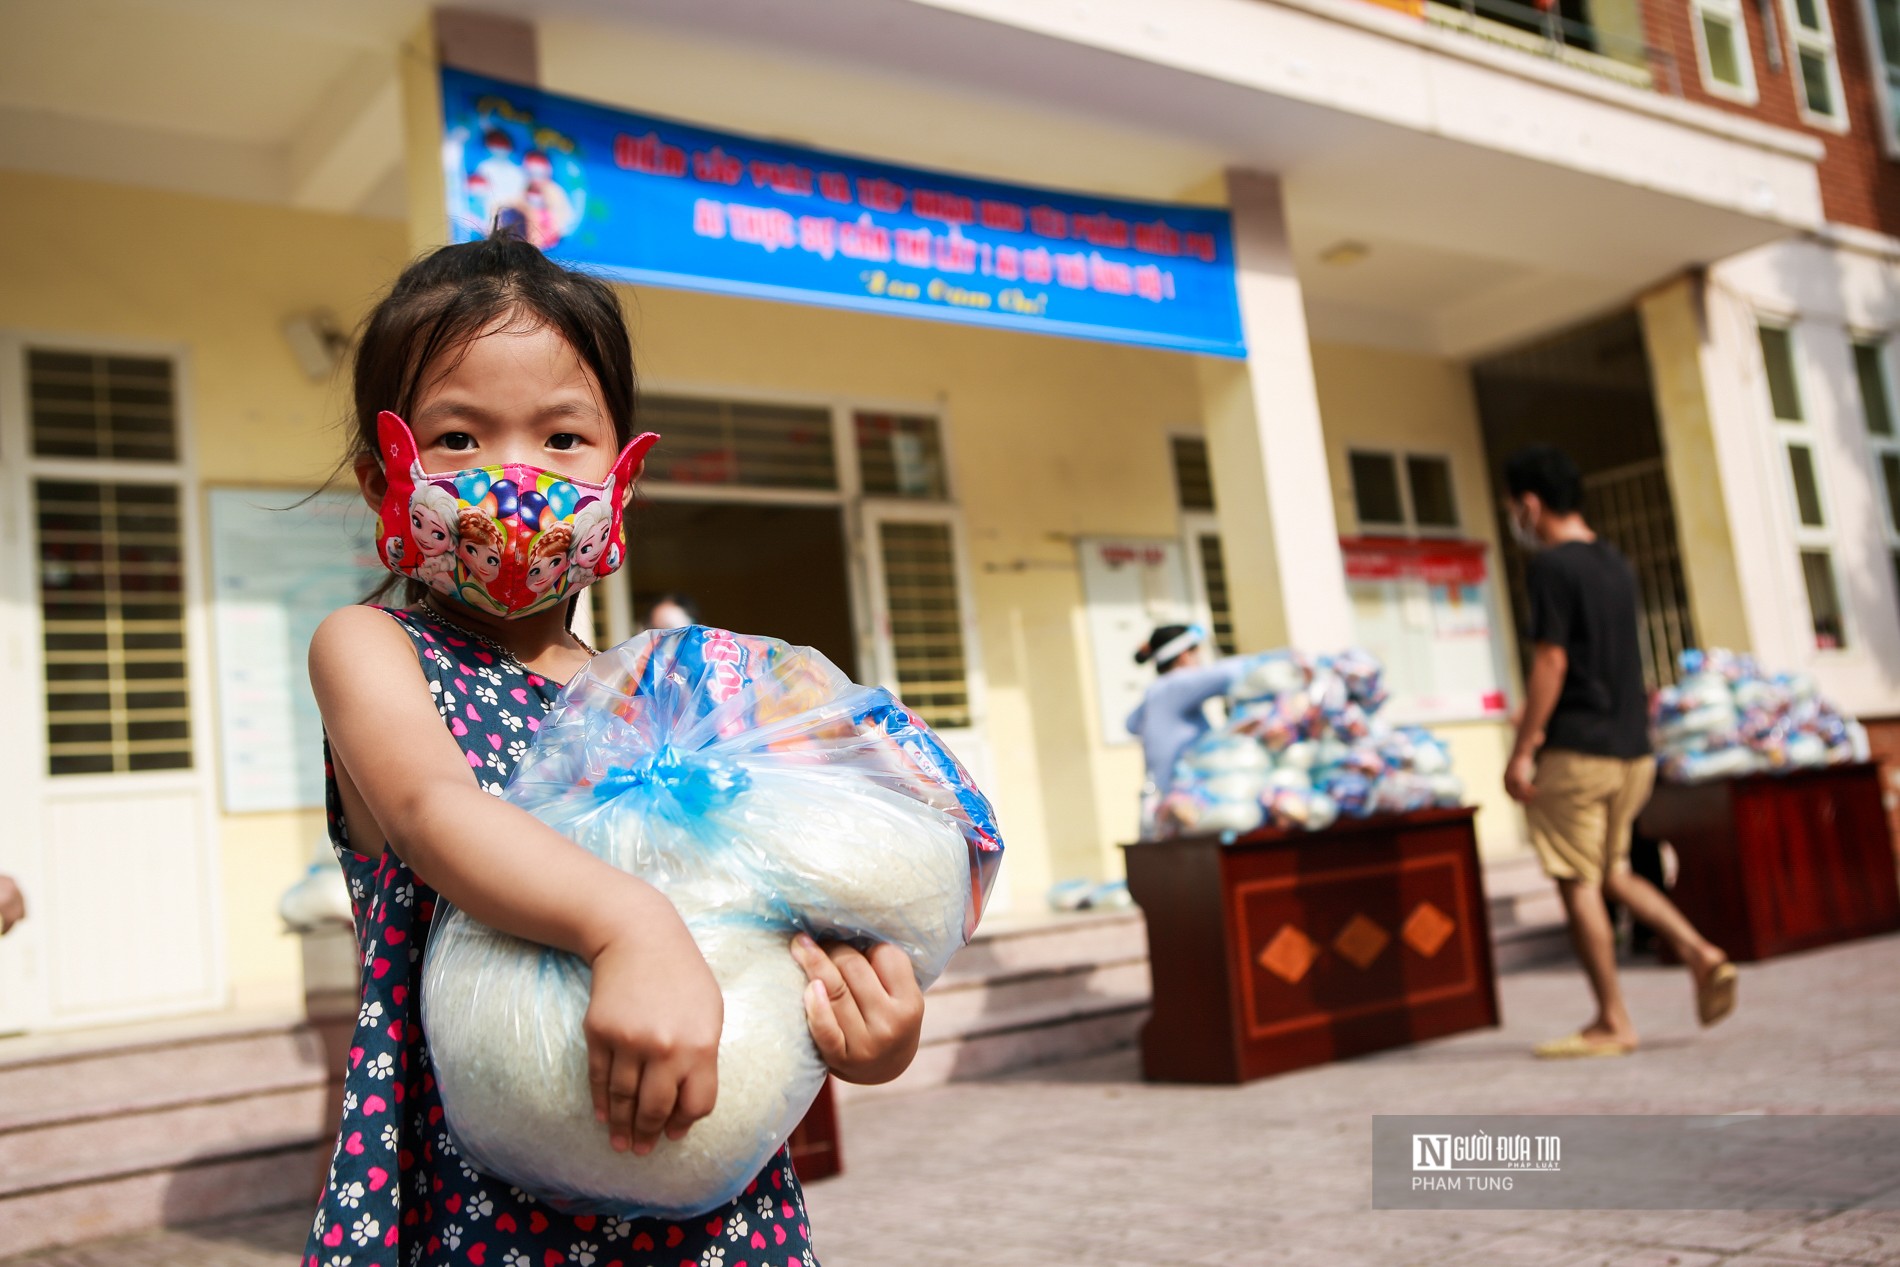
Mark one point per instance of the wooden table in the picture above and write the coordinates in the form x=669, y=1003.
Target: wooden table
x=814, y=1142
x=1290, y=948
x=1773, y=863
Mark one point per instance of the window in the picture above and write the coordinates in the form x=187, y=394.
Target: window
x=1817, y=71
x=1375, y=489
x=1876, y=401
x=1721, y=41
x=1883, y=19
x=926, y=620
x=1193, y=479
x=739, y=443
x=1807, y=486
x=1425, y=500
x=1194, y=491
x=1429, y=479
x=900, y=456
x=110, y=563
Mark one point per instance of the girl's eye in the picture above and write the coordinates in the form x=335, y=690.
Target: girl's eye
x=456, y=441
x=564, y=441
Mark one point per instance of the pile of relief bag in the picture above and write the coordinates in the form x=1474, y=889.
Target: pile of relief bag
x=1303, y=745
x=1725, y=717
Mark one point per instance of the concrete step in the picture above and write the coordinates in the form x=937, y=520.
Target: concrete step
x=1527, y=916
x=1028, y=991
x=112, y=1131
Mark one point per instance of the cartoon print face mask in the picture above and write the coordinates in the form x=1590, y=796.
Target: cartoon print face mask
x=508, y=539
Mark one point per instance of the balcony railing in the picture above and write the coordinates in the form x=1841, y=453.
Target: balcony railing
x=1548, y=33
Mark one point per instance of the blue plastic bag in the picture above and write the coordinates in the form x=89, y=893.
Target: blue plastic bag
x=765, y=794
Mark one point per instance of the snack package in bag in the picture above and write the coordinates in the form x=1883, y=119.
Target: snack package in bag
x=764, y=793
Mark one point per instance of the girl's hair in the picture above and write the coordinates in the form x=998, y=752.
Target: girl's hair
x=448, y=298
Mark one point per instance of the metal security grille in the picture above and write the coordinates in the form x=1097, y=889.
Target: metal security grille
x=926, y=621
x=1193, y=481
x=900, y=456
x=1214, y=577
x=115, y=408
x=1631, y=507
x=111, y=574
x=739, y=444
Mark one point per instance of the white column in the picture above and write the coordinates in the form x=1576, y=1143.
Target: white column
x=1279, y=537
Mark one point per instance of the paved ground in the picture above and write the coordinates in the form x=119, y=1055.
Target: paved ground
x=1083, y=1165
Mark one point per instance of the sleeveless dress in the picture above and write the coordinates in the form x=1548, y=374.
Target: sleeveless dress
x=398, y=1195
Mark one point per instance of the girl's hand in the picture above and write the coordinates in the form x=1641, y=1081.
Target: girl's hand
x=865, y=1011
x=653, y=1022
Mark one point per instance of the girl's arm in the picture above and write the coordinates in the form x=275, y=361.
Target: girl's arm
x=655, y=1011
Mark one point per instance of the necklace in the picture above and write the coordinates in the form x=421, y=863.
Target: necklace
x=514, y=660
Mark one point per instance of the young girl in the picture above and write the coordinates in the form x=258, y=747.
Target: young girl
x=489, y=356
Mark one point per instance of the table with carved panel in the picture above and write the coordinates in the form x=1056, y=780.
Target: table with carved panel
x=1285, y=949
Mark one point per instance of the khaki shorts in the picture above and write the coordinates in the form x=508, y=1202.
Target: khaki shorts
x=1585, y=805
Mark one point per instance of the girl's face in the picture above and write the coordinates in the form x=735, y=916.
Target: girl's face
x=545, y=571
x=592, y=548
x=514, y=396
x=483, y=559
x=431, y=534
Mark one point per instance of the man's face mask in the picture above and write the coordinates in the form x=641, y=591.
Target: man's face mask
x=509, y=539
x=1523, y=526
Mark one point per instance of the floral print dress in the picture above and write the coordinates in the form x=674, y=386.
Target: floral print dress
x=398, y=1194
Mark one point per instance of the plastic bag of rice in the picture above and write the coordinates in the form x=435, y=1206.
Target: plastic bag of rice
x=765, y=794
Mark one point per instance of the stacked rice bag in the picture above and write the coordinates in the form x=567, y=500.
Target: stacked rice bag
x=1302, y=746
x=764, y=793
x=1725, y=717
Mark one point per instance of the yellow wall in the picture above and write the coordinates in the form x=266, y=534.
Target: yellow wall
x=1378, y=399
x=216, y=279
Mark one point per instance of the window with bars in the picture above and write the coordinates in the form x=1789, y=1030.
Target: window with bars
x=1721, y=40
x=110, y=564
x=1877, y=410
x=740, y=444
x=1193, y=478
x=926, y=620
x=1817, y=80
x=900, y=456
x=1194, y=492
x=1807, y=485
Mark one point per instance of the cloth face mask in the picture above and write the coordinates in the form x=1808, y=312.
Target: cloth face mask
x=509, y=539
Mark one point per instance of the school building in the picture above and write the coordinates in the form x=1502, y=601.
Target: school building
x=1667, y=240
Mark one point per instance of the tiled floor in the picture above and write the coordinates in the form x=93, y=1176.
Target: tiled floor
x=1084, y=1164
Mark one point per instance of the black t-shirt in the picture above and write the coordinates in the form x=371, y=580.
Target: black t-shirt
x=1583, y=599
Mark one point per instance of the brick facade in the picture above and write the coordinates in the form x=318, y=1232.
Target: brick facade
x=1860, y=185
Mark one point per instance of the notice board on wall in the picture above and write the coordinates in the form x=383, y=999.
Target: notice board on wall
x=1428, y=610
x=1130, y=585
x=278, y=568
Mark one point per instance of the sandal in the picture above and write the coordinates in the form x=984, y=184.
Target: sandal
x=1577, y=1047
x=1715, y=994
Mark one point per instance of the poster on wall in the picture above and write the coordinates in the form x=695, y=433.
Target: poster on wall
x=1130, y=585
x=1427, y=610
x=655, y=201
x=278, y=568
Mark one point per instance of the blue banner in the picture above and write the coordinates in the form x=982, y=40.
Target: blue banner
x=648, y=200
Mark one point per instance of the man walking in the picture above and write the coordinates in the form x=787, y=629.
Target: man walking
x=1582, y=765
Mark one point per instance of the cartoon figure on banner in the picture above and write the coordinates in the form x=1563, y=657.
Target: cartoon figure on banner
x=550, y=212
x=538, y=196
